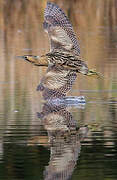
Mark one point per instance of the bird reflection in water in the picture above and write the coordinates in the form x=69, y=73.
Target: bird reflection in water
x=64, y=140
x=63, y=63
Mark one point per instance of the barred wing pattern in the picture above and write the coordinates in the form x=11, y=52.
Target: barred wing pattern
x=57, y=117
x=60, y=30
x=56, y=82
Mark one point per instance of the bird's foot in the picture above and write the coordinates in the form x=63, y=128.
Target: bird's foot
x=92, y=72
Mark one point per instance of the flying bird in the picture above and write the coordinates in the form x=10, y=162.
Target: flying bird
x=64, y=60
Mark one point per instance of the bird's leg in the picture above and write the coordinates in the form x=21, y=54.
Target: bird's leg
x=92, y=72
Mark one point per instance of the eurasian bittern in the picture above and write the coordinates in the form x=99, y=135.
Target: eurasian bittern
x=64, y=60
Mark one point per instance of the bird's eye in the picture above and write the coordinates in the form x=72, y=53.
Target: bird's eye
x=26, y=57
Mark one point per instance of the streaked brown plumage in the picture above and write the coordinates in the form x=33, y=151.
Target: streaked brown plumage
x=64, y=60
x=59, y=58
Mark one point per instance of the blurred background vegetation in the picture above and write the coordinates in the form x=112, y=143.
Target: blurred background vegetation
x=21, y=32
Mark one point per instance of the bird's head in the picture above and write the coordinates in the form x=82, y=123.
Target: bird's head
x=30, y=58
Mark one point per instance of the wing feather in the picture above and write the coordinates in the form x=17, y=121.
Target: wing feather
x=56, y=82
x=60, y=30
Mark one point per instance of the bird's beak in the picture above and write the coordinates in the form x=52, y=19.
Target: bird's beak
x=20, y=57
x=93, y=73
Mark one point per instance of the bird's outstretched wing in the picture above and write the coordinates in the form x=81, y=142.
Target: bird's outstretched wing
x=56, y=82
x=60, y=30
